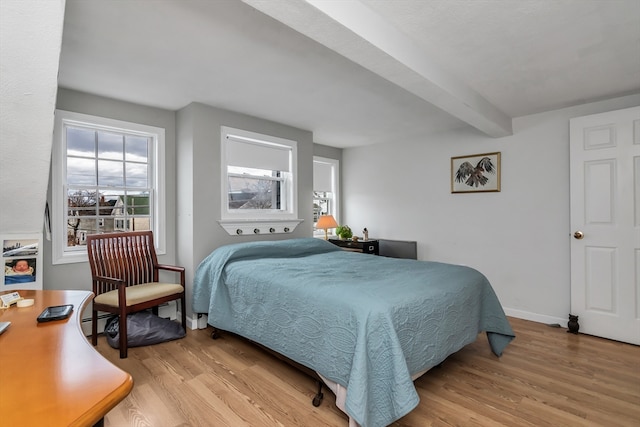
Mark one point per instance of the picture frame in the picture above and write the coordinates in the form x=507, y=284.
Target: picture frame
x=21, y=262
x=476, y=173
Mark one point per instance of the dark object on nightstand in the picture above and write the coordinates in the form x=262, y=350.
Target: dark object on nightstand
x=364, y=246
x=573, y=324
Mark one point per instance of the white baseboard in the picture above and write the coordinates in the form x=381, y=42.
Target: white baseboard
x=535, y=317
x=192, y=323
x=102, y=322
x=197, y=321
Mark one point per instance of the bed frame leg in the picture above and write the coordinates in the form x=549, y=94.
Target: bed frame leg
x=317, y=399
x=215, y=334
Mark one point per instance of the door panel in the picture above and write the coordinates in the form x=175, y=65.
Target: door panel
x=599, y=191
x=601, y=283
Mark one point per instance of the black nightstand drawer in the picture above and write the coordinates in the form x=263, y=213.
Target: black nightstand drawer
x=367, y=247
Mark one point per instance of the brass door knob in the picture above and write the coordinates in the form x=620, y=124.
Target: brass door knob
x=578, y=235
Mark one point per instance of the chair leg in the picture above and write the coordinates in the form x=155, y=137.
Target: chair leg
x=94, y=327
x=184, y=314
x=122, y=330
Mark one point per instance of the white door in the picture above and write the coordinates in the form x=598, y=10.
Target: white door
x=605, y=224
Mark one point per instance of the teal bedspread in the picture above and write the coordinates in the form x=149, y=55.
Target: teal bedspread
x=363, y=321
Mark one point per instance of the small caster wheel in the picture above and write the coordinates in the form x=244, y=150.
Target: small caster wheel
x=317, y=400
x=215, y=335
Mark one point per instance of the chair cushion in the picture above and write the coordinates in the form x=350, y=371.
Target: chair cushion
x=140, y=293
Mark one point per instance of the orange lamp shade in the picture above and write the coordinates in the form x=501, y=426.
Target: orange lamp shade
x=325, y=222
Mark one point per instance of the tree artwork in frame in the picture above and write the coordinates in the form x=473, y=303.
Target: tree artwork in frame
x=476, y=173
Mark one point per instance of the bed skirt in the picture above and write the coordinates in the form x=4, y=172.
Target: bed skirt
x=341, y=393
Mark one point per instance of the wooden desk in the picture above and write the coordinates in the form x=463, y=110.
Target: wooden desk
x=50, y=374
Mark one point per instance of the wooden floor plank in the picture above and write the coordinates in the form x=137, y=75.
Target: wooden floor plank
x=546, y=377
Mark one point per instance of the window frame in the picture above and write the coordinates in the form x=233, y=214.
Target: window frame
x=60, y=253
x=259, y=221
x=335, y=200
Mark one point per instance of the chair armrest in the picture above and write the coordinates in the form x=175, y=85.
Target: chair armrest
x=174, y=268
x=170, y=267
x=112, y=280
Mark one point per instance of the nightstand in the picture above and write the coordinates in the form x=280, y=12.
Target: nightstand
x=364, y=246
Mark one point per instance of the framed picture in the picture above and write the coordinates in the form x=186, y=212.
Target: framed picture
x=21, y=262
x=476, y=173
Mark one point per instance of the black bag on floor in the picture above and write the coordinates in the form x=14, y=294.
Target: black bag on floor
x=143, y=328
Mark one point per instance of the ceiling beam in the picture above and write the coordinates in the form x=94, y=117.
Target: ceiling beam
x=358, y=33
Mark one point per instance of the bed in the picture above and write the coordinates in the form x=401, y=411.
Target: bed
x=368, y=324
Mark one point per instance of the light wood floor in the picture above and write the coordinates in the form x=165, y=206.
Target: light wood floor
x=546, y=377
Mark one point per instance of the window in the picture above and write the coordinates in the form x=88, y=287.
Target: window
x=107, y=176
x=325, y=189
x=258, y=182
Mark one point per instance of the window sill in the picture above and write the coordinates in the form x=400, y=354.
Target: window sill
x=249, y=227
x=81, y=256
x=70, y=258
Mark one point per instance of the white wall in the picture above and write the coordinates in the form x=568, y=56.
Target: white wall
x=519, y=238
x=78, y=275
x=30, y=41
x=192, y=176
x=199, y=177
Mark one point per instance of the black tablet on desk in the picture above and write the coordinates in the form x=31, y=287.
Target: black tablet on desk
x=56, y=312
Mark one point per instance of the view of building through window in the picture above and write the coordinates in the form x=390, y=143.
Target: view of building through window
x=250, y=188
x=322, y=204
x=107, y=183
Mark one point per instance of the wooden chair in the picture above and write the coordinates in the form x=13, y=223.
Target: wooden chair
x=124, y=271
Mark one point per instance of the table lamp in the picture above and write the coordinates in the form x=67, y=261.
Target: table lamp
x=325, y=222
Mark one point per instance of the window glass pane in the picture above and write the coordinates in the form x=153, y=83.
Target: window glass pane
x=137, y=203
x=81, y=171
x=321, y=205
x=137, y=148
x=79, y=227
x=81, y=142
x=89, y=209
x=109, y=209
x=253, y=193
x=107, y=201
x=81, y=214
x=81, y=202
x=110, y=173
x=136, y=174
x=110, y=146
x=132, y=212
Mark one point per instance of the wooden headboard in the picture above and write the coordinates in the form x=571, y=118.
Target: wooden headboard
x=399, y=248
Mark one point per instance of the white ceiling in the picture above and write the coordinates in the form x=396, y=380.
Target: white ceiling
x=356, y=72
